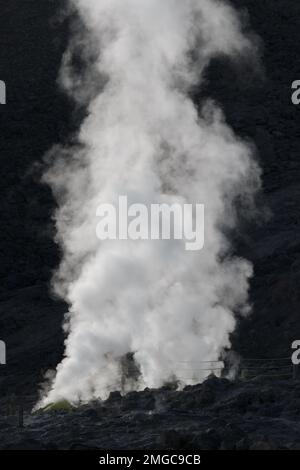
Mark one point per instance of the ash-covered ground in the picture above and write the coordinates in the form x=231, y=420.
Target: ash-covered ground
x=261, y=414
x=218, y=414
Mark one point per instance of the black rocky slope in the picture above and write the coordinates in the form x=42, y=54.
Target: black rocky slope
x=218, y=414
x=32, y=41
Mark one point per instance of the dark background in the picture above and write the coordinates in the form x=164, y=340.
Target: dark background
x=258, y=106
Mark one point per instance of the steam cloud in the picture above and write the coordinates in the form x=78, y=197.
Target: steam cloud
x=143, y=137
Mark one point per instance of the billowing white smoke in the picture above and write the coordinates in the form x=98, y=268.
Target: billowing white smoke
x=143, y=138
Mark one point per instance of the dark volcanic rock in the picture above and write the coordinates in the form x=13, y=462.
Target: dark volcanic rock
x=223, y=424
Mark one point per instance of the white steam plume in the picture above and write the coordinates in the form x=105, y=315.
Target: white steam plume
x=143, y=138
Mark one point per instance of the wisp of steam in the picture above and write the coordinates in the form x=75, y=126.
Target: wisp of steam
x=162, y=307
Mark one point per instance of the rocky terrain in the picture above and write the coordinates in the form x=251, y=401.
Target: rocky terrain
x=260, y=413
